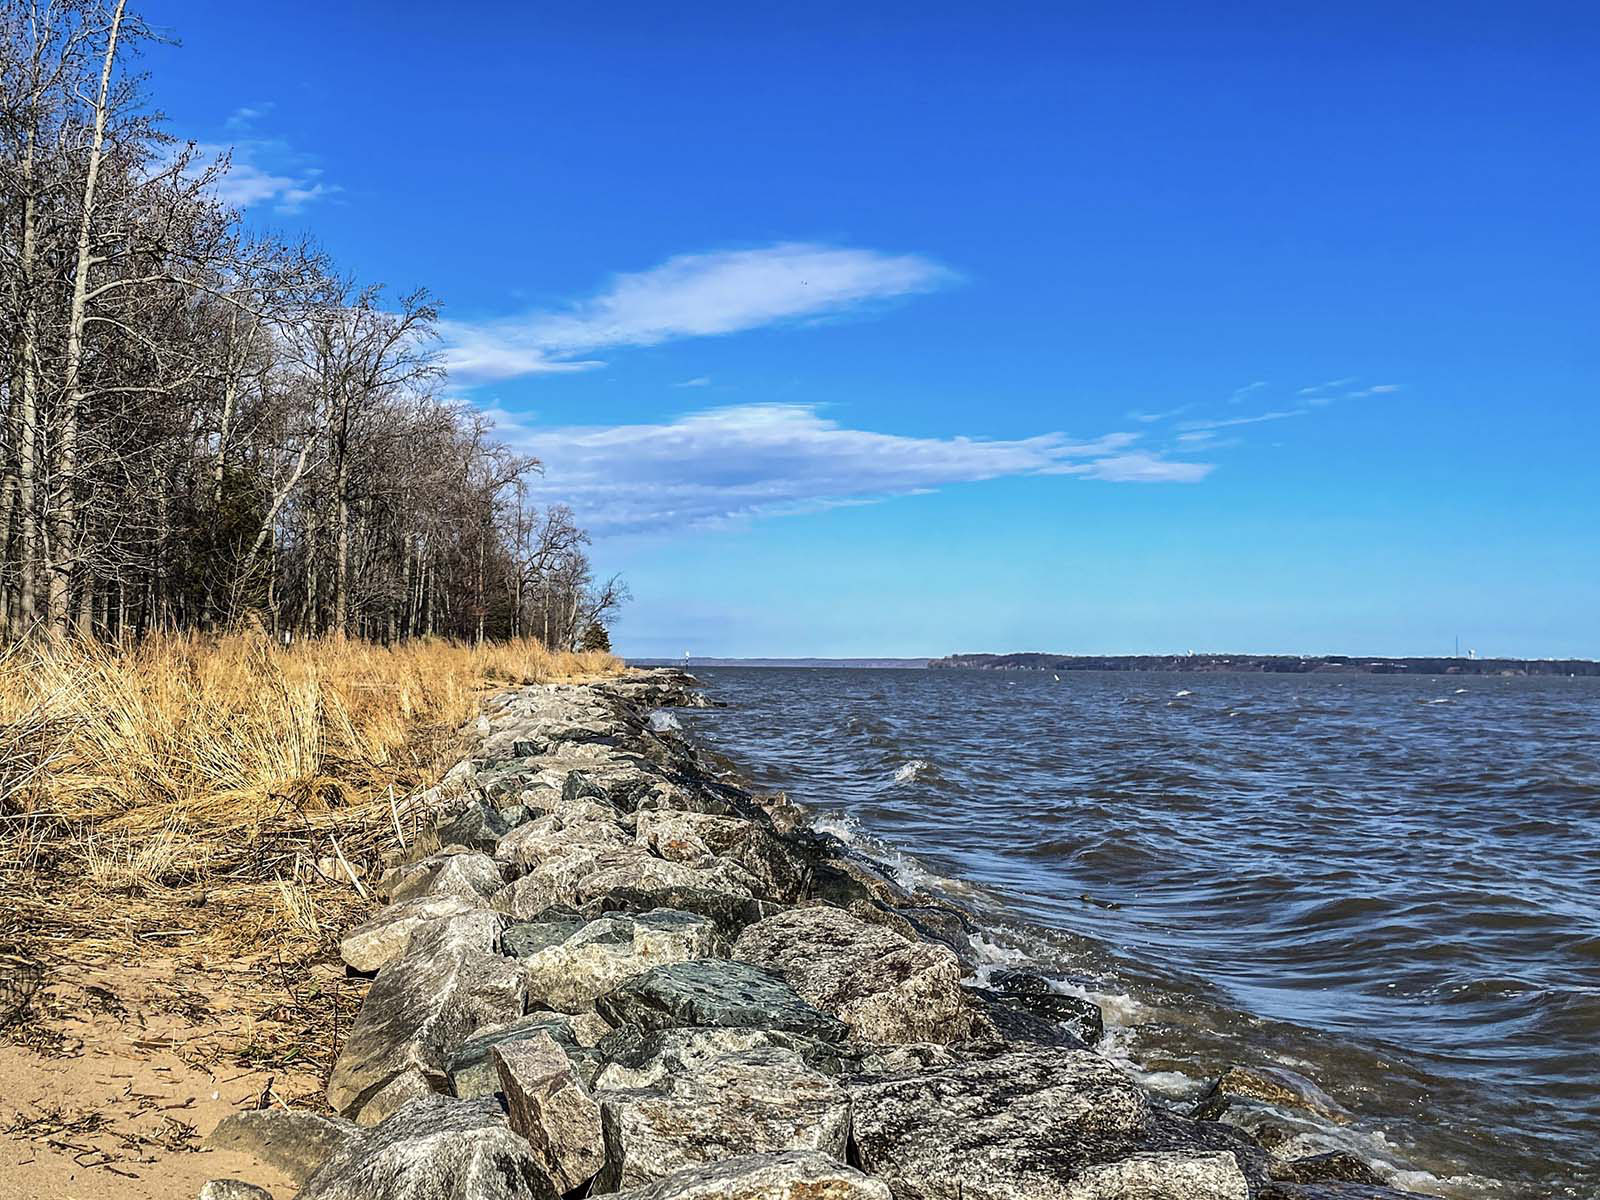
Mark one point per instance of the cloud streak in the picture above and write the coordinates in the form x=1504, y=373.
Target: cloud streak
x=264, y=172
x=727, y=465
x=688, y=296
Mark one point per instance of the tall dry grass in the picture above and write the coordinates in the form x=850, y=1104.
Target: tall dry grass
x=227, y=768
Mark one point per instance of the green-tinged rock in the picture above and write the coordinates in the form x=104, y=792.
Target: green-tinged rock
x=718, y=994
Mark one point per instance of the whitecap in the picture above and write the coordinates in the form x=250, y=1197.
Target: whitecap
x=1183, y=692
x=662, y=722
x=911, y=770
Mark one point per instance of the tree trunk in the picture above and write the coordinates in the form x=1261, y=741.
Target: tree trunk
x=66, y=516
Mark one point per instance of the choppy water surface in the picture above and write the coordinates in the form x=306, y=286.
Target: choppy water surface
x=1390, y=885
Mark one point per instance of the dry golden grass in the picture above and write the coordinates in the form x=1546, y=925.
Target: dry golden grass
x=213, y=788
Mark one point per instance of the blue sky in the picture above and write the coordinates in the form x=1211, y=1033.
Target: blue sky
x=908, y=329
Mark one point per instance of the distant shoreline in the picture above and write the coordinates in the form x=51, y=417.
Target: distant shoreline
x=1274, y=664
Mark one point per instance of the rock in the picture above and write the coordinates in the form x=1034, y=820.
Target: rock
x=1018, y=1126
x=637, y=1058
x=472, y=1071
x=412, y=877
x=416, y=1015
x=476, y=827
x=553, y=835
x=731, y=914
x=549, y=1105
x=1159, y=1176
x=1332, y=1191
x=719, y=994
x=294, y=1142
x=1277, y=1086
x=578, y=874
x=1337, y=1166
x=999, y=1022
x=886, y=988
x=378, y=941
x=792, y=1175
x=1035, y=993
x=435, y=1149
x=570, y=975
x=760, y=1101
x=701, y=839
x=522, y=939
x=232, y=1189
x=473, y=875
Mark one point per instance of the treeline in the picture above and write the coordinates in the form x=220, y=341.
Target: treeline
x=204, y=424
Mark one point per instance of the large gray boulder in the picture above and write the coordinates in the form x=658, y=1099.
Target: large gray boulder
x=884, y=986
x=294, y=1142
x=475, y=827
x=1162, y=1175
x=232, y=1189
x=549, y=1105
x=378, y=941
x=759, y=1101
x=1018, y=1126
x=550, y=836
x=700, y=839
x=571, y=974
x=416, y=1014
x=472, y=1070
x=791, y=1175
x=435, y=1149
x=452, y=872
x=637, y=1058
x=577, y=874
x=719, y=994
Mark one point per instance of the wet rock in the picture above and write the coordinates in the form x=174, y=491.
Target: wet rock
x=792, y=1175
x=471, y=1067
x=435, y=1149
x=232, y=1189
x=1277, y=1086
x=294, y=1142
x=701, y=839
x=1014, y=1127
x=572, y=974
x=998, y=1022
x=475, y=827
x=1036, y=994
x=886, y=988
x=638, y=1058
x=760, y=1101
x=717, y=994
x=1338, y=1166
x=1160, y=1176
x=417, y=1013
x=549, y=1105
x=378, y=941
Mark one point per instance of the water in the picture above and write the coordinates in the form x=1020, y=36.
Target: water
x=1391, y=885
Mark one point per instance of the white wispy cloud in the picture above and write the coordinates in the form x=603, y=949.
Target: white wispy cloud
x=1281, y=414
x=264, y=172
x=697, y=381
x=688, y=296
x=727, y=464
x=245, y=116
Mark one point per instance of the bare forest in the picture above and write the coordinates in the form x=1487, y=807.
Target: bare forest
x=207, y=424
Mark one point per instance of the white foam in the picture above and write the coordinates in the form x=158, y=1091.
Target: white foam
x=910, y=770
x=661, y=722
x=1183, y=692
